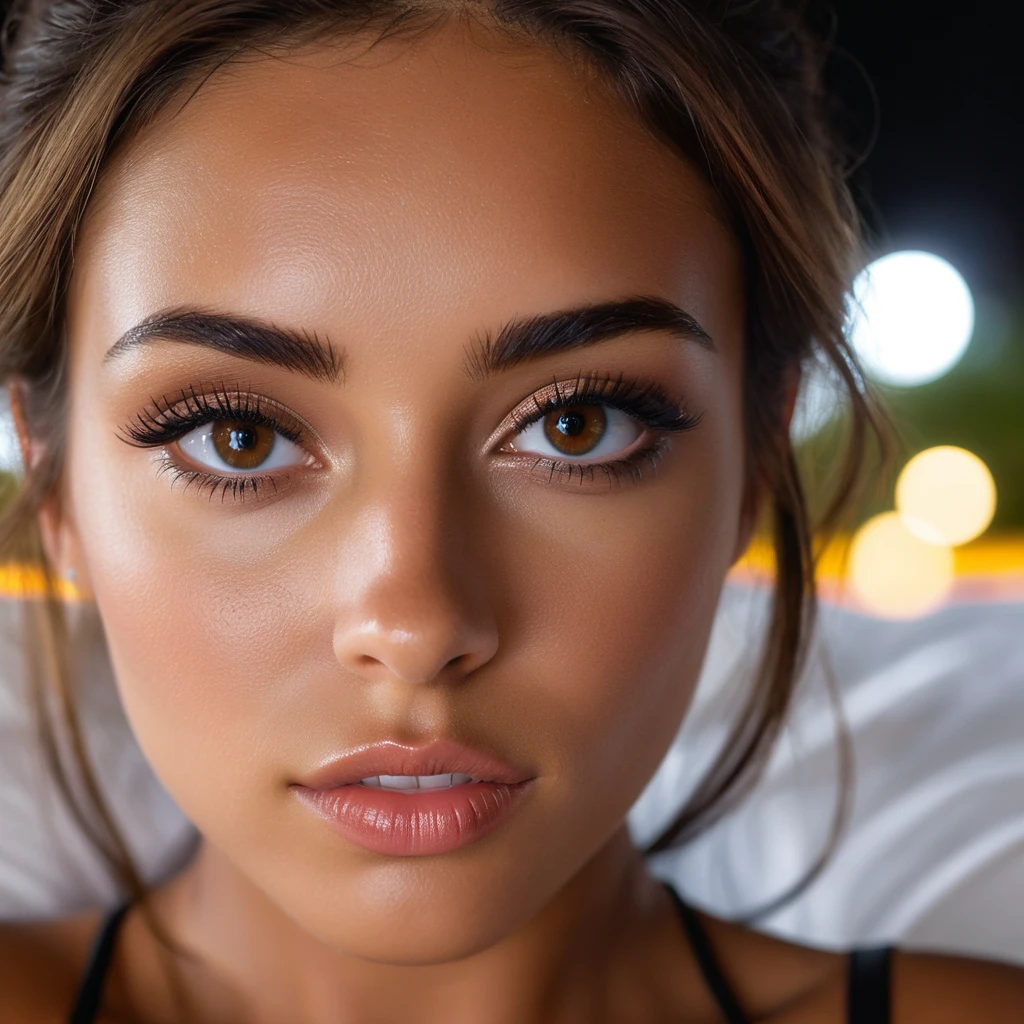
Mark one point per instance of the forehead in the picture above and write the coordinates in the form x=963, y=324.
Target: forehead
x=459, y=172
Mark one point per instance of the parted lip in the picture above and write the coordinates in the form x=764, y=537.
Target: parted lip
x=389, y=757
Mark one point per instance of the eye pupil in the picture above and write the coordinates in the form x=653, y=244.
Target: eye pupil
x=243, y=439
x=571, y=423
x=242, y=445
x=576, y=430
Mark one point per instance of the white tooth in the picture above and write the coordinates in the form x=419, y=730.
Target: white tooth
x=373, y=782
x=435, y=781
x=399, y=782
x=461, y=780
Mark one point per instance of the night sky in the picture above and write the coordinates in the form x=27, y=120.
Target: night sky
x=946, y=174
x=947, y=170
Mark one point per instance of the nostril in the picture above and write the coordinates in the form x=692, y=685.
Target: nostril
x=440, y=650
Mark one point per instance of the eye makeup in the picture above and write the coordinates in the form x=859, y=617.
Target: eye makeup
x=235, y=443
x=246, y=432
x=571, y=410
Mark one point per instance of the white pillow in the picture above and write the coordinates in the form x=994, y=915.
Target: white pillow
x=933, y=854
x=46, y=867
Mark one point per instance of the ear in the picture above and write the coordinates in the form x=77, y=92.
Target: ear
x=58, y=535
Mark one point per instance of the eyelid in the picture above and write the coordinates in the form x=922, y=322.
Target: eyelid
x=614, y=390
x=167, y=420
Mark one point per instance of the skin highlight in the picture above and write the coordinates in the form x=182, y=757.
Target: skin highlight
x=412, y=578
x=376, y=207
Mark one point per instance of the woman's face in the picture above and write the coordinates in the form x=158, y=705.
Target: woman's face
x=317, y=508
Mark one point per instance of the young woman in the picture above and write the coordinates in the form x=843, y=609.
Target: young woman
x=400, y=380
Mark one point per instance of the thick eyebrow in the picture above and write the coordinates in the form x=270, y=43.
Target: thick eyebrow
x=301, y=351
x=532, y=337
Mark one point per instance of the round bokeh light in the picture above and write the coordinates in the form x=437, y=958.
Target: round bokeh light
x=911, y=318
x=946, y=495
x=894, y=573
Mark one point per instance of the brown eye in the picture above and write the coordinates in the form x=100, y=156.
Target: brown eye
x=585, y=431
x=229, y=447
x=576, y=429
x=242, y=445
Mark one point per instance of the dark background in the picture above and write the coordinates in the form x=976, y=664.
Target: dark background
x=946, y=174
x=947, y=170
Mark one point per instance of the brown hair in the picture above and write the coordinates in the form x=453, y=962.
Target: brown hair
x=735, y=87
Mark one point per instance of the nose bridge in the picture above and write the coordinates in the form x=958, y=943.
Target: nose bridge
x=412, y=604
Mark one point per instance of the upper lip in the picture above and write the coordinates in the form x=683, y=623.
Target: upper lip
x=389, y=757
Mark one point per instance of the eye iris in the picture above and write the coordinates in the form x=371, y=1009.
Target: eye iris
x=576, y=429
x=242, y=445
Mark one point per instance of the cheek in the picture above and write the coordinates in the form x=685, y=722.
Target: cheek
x=618, y=599
x=205, y=615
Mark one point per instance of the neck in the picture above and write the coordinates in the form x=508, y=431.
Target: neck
x=599, y=943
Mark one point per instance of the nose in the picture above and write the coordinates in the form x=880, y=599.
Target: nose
x=412, y=603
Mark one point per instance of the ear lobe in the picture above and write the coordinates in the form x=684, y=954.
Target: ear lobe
x=55, y=532
x=61, y=546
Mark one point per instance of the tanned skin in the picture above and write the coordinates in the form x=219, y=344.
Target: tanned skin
x=411, y=576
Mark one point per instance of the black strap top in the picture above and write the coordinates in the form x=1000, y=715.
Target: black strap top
x=90, y=992
x=867, y=991
x=868, y=998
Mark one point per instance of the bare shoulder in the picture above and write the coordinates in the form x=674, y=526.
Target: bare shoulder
x=778, y=981
x=948, y=989
x=786, y=983
x=40, y=965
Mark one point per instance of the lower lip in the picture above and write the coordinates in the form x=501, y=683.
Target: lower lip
x=417, y=824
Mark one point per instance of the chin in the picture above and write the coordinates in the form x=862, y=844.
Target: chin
x=417, y=914
x=426, y=937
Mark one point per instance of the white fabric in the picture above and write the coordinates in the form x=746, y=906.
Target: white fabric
x=46, y=866
x=933, y=854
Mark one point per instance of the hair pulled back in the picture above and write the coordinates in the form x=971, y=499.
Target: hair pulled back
x=734, y=86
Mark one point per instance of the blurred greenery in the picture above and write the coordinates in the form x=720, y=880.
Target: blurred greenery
x=978, y=405
x=7, y=486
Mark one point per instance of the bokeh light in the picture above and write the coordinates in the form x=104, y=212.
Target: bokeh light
x=946, y=495
x=894, y=573
x=911, y=318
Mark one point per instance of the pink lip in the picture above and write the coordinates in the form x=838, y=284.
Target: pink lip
x=417, y=822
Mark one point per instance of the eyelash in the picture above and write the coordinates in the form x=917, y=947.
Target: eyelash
x=169, y=420
x=645, y=402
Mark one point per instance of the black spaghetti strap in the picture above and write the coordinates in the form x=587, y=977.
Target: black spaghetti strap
x=869, y=992
x=713, y=977
x=90, y=993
